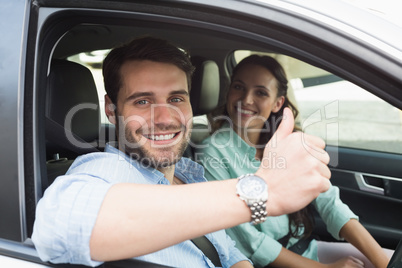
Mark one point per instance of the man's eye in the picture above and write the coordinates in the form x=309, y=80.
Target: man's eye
x=142, y=102
x=176, y=100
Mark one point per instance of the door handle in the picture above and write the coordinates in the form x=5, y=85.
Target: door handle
x=364, y=186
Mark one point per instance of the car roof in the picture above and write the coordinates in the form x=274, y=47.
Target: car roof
x=335, y=15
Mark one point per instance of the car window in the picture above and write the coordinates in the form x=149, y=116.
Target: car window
x=93, y=61
x=340, y=112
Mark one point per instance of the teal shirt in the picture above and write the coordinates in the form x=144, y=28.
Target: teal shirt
x=225, y=155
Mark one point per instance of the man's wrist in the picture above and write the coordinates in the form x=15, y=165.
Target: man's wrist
x=253, y=190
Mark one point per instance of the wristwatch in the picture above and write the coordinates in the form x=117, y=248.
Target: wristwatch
x=254, y=191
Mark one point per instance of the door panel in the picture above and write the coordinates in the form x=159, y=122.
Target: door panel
x=370, y=184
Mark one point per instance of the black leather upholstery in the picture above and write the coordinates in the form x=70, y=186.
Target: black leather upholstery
x=72, y=103
x=72, y=115
x=71, y=87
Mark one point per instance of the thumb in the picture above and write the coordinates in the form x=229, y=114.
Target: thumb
x=286, y=126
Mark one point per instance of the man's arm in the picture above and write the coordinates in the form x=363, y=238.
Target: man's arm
x=242, y=264
x=138, y=219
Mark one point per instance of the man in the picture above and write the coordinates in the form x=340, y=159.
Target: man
x=139, y=199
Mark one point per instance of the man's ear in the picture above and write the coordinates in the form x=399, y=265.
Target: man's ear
x=278, y=104
x=110, y=110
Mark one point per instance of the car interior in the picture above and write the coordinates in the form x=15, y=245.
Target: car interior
x=69, y=121
x=70, y=84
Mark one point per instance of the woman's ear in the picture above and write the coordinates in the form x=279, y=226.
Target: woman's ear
x=110, y=110
x=278, y=104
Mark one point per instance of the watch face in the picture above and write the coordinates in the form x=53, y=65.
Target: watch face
x=252, y=186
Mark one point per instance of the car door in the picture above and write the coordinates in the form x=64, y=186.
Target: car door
x=364, y=140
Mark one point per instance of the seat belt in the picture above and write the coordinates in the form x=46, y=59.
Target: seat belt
x=208, y=249
x=299, y=247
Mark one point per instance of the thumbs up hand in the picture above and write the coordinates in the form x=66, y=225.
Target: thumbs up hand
x=294, y=165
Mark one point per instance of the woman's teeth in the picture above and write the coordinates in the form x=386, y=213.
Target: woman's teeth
x=244, y=111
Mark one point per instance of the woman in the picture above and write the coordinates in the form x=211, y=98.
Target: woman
x=241, y=129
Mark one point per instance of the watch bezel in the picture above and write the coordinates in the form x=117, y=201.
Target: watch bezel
x=263, y=195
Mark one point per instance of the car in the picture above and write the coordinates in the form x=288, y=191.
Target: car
x=344, y=65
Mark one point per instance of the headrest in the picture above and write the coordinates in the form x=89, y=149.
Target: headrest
x=72, y=99
x=204, y=94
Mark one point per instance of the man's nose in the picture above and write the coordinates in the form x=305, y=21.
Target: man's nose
x=163, y=114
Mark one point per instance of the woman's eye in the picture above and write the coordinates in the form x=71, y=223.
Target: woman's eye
x=237, y=87
x=262, y=93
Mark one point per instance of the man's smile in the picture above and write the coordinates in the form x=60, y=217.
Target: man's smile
x=160, y=137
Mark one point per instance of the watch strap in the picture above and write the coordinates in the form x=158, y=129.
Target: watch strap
x=258, y=208
x=258, y=212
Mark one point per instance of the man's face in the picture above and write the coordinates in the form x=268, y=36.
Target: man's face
x=153, y=112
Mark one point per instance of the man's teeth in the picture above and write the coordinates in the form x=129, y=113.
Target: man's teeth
x=244, y=111
x=160, y=137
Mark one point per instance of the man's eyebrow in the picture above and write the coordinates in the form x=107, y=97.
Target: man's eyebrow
x=150, y=94
x=139, y=95
x=179, y=92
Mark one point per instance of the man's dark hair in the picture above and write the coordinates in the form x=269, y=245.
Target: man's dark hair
x=142, y=48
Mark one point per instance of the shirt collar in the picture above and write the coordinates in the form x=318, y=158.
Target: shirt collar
x=185, y=169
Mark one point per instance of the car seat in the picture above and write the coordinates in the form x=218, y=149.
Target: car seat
x=204, y=94
x=204, y=97
x=72, y=115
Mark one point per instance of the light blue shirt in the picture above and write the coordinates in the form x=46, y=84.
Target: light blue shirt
x=225, y=155
x=68, y=210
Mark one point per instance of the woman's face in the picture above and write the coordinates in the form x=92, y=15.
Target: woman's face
x=253, y=97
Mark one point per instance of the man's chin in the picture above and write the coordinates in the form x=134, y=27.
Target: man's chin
x=165, y=159
x=158, y=163
x=156, y=157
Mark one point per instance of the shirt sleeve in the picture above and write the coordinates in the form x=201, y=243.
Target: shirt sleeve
x=333, y=211
x=256, y=245
x=65, y=217
x=234, y=254
x=67, y=212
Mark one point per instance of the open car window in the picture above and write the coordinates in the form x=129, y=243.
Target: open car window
x=340, y=112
